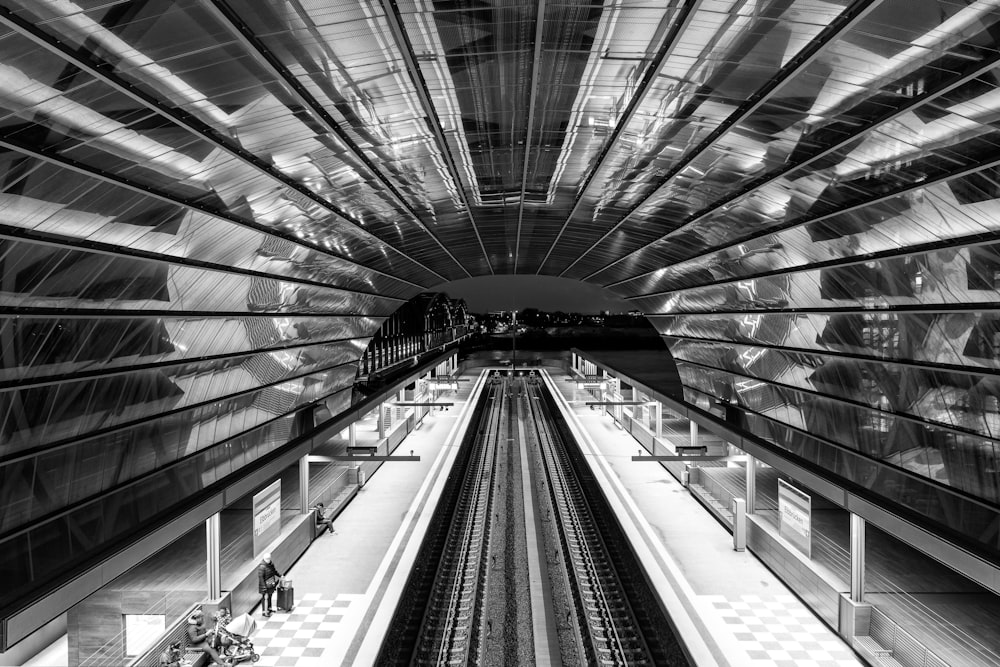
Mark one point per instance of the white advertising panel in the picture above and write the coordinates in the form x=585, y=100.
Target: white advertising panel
x=141, y=631
x=795, y=512
x=266, y=517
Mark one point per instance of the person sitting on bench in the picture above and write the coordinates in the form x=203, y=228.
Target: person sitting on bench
x=322, y=522
x=200, y=638
x=171, y=657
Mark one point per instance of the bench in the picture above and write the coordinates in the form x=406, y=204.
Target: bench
x=871, y=649
x=317, y=529
x=176, y=633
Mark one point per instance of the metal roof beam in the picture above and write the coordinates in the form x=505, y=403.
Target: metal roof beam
x=276, y=68
x=974, y=73
x=645, y=86
x=405, y=47
x=153, y=193
x=536, y=61
x=847, y=20
x=181, y=118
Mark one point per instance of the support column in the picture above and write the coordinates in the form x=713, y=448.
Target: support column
x=739, y=510
x=213, y=560
x=854, y=614
x=857, y=558
x=751, y=484
x=352, y=441
x=304, y=484
x=658, y=416
x=694, y=433
x=381, y=420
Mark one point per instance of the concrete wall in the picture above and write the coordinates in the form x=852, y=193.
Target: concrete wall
x=796, y=571
x=95, y=627
x=284, y=554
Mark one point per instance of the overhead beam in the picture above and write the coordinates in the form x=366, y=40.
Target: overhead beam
x=847, y=20
x=689, y=458
x=185, y=121
x=976, y=240
x=154, y=193
x=359, y=458
x=681, y=23
x=798, y=222
x=276, y=68
x=618, y=402
x=536, y=63
x=428, y=404
x=979, y=70
x=405, y=48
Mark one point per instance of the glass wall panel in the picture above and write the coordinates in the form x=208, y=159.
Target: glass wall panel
x=40, y=348
x=944, y=613
x=116, y=623
x=255, y=140
x=966, y=342
x=934, y=477
x=958, y=400
x=60, y=542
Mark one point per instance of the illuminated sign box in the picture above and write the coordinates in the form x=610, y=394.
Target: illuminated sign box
x=795, y=513
x=266, y=517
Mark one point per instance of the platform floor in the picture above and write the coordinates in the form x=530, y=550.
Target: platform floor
x=730, y=608
x=343, y=579
x=347, y=584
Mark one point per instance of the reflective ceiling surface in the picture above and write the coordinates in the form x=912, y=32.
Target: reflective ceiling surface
x=207, y=208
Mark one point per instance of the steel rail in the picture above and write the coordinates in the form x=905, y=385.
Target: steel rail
x=458, y=582
x=610, y=640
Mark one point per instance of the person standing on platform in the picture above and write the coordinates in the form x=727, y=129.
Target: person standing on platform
x=267, y=581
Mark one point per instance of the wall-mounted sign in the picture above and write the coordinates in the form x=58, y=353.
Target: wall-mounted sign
x=266, y=517
x=795, y=512
x=142, y=631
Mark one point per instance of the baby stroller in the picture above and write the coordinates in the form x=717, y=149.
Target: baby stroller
x=232, y=637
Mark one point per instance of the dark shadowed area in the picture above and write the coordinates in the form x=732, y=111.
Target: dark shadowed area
x=547, y=293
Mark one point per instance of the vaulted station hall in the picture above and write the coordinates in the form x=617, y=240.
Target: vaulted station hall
x=209, y=209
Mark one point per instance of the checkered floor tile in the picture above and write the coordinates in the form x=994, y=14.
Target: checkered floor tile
x=287, y=639
x=778, y=630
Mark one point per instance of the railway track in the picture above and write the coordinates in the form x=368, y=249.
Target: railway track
x=449, y=613
x=452, y=625
x=604, y=617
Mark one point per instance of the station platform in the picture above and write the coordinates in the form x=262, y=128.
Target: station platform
x=342, y=579
x=730, y=609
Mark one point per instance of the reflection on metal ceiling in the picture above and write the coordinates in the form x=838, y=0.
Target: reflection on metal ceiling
x=803, y=195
